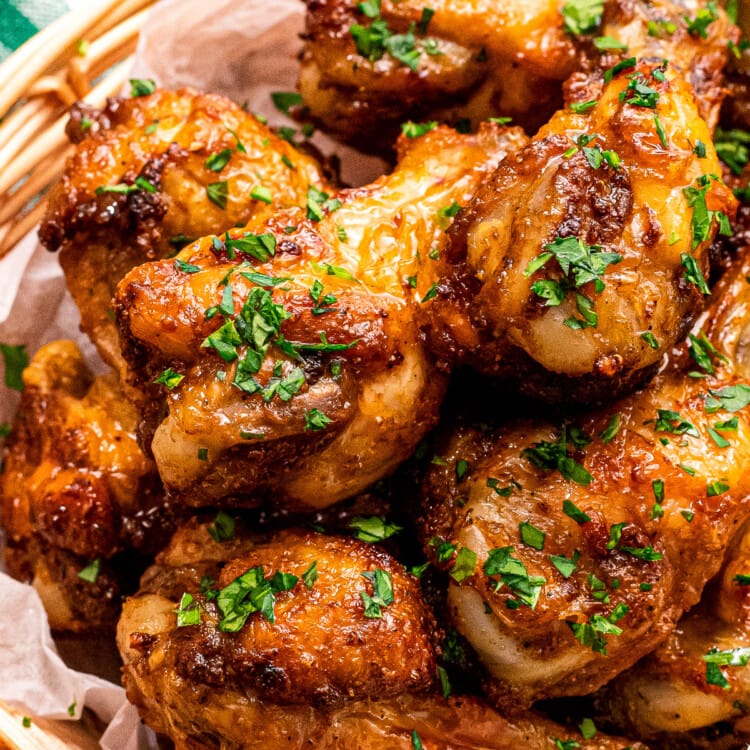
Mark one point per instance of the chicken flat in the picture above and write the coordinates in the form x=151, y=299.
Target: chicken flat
x=296, y=641
x=80, y=501
x=301, y=374
x=582, y=545
x=149, y=175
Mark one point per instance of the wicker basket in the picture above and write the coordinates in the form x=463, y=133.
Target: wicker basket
x=85, y=55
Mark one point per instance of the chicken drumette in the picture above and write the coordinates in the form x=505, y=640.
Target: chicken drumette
x=694, y=689
x=367, y=67
x=295, y=641
x=82, y=506
x=153, y=173
x=583, y=258
x=576, y=549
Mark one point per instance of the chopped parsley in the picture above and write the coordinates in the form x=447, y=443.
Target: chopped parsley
x=416, y=129
x=566, y=567
x=463, y=565
x=693, y=273
x=733, y=148
x=285, y=100
x=318, y=202
x=142, y=86
x=513, y=574
x=188, y=612
x=382, y=596
x=608, y=434
x=593, y=633
x=549, y=455
x=16, y=359
x=373, y=528
x=185, y=267
x=217, y=162
x=169, y=378
x=531, y=536
x=248, y=593
x=91, y=572
x=582, y=16
x=315, y=420
x=217, y=193
x=698, y=26
x=222, y=528
x=731, y=398
x=574, y=512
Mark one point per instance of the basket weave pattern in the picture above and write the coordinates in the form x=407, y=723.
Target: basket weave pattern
x=85, y=55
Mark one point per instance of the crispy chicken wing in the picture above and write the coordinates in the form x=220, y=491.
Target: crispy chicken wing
x=304, y=374
x=698, y=677
x=581, y=546
x=300, y=640
x=152, y=173
x=367, y=67
x=77, y=492
x=584, y=254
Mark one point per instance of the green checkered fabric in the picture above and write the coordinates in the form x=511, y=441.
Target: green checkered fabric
x=21, y=19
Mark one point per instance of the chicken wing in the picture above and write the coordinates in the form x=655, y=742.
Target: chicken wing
x=575, y=549
x=301, y=373
x=367, y=67
x=698, y=677
x=151, y=174
x=296, y=641
x=77, y=493
x=584, y=254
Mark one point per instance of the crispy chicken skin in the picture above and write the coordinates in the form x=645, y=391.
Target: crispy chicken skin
x=667, y=691
x=76, y=488
x=323, y=674
x=642, y=515
x=623, y=179
x=479, y=58
x=313, y=421
x=167, y=139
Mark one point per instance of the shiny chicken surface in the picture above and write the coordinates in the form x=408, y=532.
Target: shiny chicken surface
x=152, y=173
x=320, y=668
x=364, y=72
x=582, y=259
x=696, y=682
x=77, y=491
x=589, y=541
x=305, y=377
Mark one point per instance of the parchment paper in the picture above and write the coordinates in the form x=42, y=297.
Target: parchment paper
x=244, y=49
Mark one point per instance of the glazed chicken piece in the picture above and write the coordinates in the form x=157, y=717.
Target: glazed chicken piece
x=300, y=640
x=367, y=67
x=81, y=504
x=152, y=173
x=585, y=253
x=304, y=377
x=697, y=679
x=579, y=547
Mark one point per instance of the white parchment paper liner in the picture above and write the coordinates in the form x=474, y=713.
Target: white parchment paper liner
x=244, y=49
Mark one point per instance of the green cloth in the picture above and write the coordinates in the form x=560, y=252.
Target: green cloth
x=21, y=19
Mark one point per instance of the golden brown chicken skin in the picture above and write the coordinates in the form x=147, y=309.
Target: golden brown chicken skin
x=77, y=491
x=305, y=376
x=320, y=668
x=585, y=543
x=367, y=67
x=698, y=678
x=152, y=173
x=585, y=253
